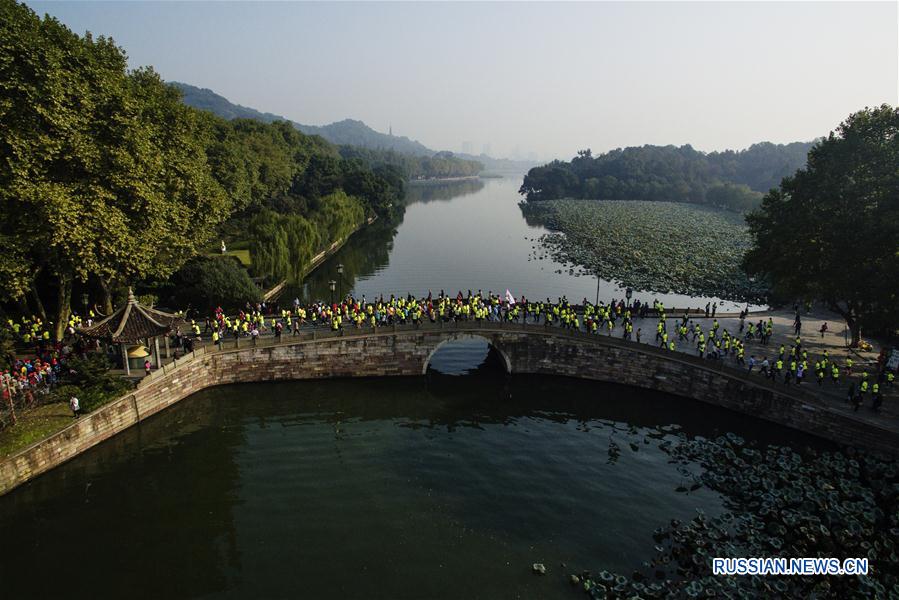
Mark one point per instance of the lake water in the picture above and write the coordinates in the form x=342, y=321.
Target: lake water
x=433, y=487
x=462, y=235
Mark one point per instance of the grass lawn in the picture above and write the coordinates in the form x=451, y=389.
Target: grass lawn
x=34, y=425
x=243, y=255
x=236, y=247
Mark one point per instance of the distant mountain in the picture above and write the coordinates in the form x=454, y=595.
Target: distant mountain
x=206, y=99
x=351, y=132
x=348, y=132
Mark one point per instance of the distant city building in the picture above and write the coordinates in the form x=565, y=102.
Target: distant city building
x=485, y=149
x=467, y=147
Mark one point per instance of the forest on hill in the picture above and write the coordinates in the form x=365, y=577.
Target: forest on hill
x=355, y=138
x=735, y=180
x=206, y=99
x=439, y=166
x=346, y=132
x=354, y=132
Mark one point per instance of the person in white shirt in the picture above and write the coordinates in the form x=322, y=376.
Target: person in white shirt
x=75, y=405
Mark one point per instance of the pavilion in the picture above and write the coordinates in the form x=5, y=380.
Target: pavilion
x=134, y=323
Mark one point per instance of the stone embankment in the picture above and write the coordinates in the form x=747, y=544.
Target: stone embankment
x=406, y=351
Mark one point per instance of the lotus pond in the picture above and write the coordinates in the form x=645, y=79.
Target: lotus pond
x=782, y=503
x=664, y=247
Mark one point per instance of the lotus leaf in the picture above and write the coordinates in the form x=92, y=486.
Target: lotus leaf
x=651, y=246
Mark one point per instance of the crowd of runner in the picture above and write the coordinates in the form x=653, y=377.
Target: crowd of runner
x=791, y=365
x=30, y=376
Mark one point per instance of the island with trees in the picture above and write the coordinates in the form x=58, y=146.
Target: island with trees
x=735, y=180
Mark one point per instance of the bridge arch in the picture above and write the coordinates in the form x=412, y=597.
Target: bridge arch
x=454, y=337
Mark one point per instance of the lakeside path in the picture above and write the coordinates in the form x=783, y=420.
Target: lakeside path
x=834, y=341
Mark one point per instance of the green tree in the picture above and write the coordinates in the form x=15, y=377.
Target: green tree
x=737, y=197
x=268, y=247
x=831, y=231
x=339, y=216
x=107, y=178
x=209, y=281
x=555, y=180
x=302, y=240
x=103, y=172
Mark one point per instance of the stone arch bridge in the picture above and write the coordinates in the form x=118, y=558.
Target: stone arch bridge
x=406, y=351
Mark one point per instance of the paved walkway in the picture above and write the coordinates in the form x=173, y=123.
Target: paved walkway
x=834, y=341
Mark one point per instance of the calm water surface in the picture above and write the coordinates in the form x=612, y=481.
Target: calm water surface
x=444, y=486
x=458, y=236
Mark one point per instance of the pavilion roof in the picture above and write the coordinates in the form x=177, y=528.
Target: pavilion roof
x=133, y=322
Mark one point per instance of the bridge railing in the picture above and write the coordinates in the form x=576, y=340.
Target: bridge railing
x=718, y=366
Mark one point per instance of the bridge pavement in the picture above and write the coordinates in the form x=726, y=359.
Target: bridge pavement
x=834, y=341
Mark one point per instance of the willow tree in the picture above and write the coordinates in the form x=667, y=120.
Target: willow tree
x=338, y=216
x=831, y=231
x=302, y=240
x=268, y=246
x=282, y=245
x=102, y=172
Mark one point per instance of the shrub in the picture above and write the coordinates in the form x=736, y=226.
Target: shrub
x=90, y=380
x=209, y=281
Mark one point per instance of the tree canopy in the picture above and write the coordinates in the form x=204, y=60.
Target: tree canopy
x=107, y=178
x=733, y=180
x=103, y=172
x=273, y=166
x=209, y=281
x=283, y=245
x=831, y=231
x=410, y=166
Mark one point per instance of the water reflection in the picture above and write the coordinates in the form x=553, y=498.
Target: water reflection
x=441, y=190
x=110, y=517
x=467, y=355
x=368, y=251
x=437, y=487
x=474, y=237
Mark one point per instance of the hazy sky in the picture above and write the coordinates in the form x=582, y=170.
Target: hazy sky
x=547, y=78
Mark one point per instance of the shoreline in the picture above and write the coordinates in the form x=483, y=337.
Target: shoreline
x=317, y=260
x=439, y=180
